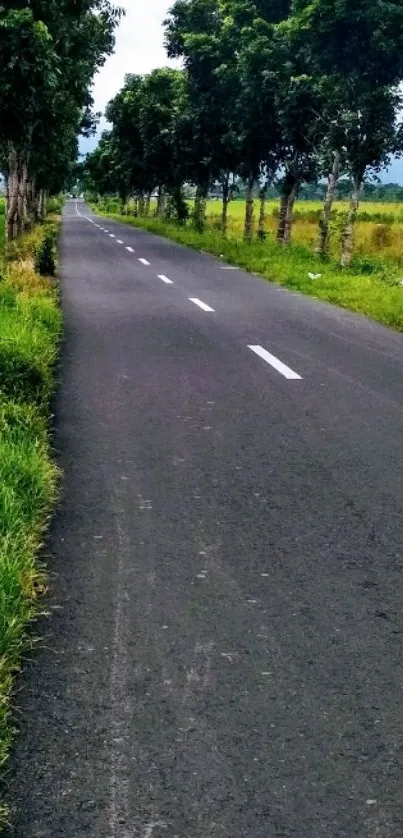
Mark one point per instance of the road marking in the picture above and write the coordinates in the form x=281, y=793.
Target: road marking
x=119, y=241
x=229, y=268
x=105, y=230
x=111, y=236
x=144, y=261
x=275, y=362
x=130, y=249
x=165, y=279
x=200, y=303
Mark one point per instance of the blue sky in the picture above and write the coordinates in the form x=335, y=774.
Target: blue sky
x=139, y=49
x=394, y=174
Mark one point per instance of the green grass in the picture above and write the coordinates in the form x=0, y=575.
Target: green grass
x=30, y=328
x=376, y=294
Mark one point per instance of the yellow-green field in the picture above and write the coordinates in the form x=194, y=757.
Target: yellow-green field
x=379, y=232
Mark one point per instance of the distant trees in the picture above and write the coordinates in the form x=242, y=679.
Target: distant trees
x=49, y=52
x=285, y=92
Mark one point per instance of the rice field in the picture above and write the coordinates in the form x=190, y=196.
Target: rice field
x=379, y=232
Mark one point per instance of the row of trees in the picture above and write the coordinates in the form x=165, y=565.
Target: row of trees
x=285, y=91
x=49, y=52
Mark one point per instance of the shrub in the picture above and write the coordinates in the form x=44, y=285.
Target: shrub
x=381, y=236
x=45, y=255
x=55, y=205
x=177, y=208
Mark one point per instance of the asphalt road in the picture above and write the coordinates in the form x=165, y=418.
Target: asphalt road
x=224, y=657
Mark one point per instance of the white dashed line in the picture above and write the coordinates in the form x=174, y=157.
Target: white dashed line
x=106, y=231
x=130, y=249
x=165, y=279
x=111, y=236
x=200, y=303
x=144, y=261
x=275, y=362
x=119, y=241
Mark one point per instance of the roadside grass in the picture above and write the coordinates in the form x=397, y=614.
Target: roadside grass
x=367, y=288
x=30, y=330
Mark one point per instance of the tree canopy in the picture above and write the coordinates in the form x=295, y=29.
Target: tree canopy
x=49, y=52
x=284, y=92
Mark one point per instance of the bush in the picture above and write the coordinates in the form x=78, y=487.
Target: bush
x=7, y=296
x=27, y=349
x=45, y=255
x=381, y=236
x=55, y=205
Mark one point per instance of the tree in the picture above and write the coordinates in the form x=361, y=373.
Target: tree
x=160, y=111
x=359, y=72
x=48, y=55
x=371, y=137
x=27, y=84
x=194, y=32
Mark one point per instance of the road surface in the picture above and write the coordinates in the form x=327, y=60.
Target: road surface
x=224, y=656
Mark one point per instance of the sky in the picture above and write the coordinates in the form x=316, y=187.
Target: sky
x=139, y=49
x=139, y=46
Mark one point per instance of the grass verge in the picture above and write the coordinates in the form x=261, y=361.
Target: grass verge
x=30, y=329
x=369, y=289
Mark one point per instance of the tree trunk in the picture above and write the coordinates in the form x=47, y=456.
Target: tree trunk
x=288, y=195
x=31, y=202
x=261, y=231
x=322, y=247
x=12, y=196
x=282, y=218
x=289, y=216
x=159, y=212
x=42, y=205
x=7, y=197
x=141, y=204
x=249, y=209
x=22, y=198
x=147, y=205
x=225, y=202
x=347, y=240
x=199, y=214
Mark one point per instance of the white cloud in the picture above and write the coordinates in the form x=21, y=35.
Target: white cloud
x=139, y=46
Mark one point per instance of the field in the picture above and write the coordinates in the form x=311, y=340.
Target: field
x=379, y=233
